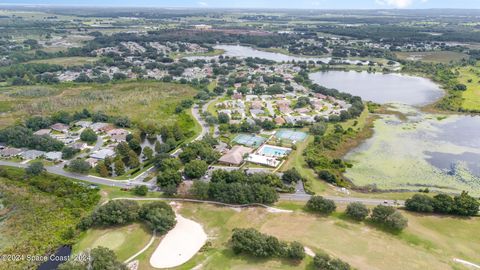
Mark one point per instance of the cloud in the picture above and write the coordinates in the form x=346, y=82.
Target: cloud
x=203, y=4
x=397, y=3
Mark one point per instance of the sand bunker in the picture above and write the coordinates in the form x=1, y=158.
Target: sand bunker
x=179, y=245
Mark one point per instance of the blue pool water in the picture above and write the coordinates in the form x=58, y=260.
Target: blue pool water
x=273, y=151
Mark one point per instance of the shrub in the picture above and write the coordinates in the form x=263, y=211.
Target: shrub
x=88, y=135
x=79, y=166
x=323, y=261
x=465, y=205
x=357, y=211
x=35, y=168
x=420, y=203
x=443, y=204
x=389, y=217
x=321, y=205
x=291, y=176
x=140, y=190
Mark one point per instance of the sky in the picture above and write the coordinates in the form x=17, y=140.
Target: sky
x=302, y=4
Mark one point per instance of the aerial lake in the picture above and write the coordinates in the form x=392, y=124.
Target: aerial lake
x=240, y=51
x=381, y=88
x=424, y=150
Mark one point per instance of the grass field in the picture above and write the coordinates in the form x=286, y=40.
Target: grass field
x=433, y=57
x=143, y=102
x=67, y=61
x=124, y=240
x=430, y=242
x=470, y=76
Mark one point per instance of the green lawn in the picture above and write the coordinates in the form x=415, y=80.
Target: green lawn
x=430, y=242
x=124, y=240
x=67, y=61
x=433, y=57
x=144, y=102
x=470, y=76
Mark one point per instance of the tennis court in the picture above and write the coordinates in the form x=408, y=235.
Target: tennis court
x=249, y=140
x=291, y=135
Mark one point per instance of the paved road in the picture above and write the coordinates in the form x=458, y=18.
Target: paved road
x=306, y=197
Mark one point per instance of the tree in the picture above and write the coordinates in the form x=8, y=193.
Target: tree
x=79, y=166
x=396, y=221
x=116, y=212
x=420, y=203
x=443, y=204
x=196, y=168
x=102, y=169
x=147, y=153
x=135, y=146
x=159, y=216
x=223, y=118
x=88, y=135
x=199, y=190
x=291, y=176
x=296, y=251
x=140, y=190
x=465, y=205
x=100, y=258
x=323, y=261
x=321, y=205
x=133, y=161
x=69, y=152
x=388, y=216
x=35, y=168
x=357, y=211
x=318, y=129
x=253, y=242
x=169, y=177
x=119, y=167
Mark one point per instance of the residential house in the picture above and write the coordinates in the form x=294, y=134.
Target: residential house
x=83, y=124
x=42, y=132
x=279, y=120
x=257, y=105
x=79, y=145
x=53, y=156
x=32, y=154
x=60, y=127
x=97, y=126
x=102, y=154
x=92, y=162
x=10, y=152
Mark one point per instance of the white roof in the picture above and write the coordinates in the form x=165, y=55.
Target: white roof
x=102, y=153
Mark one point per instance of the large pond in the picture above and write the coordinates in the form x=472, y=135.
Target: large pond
x=381, y=88
x=424, y=150
x=240, y=51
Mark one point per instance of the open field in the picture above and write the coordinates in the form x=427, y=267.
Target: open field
x=430, y=242
x=433, y=57
x=143, y=102
x=124, y=240
x=470, y=76
x=34, y=222
x=67, y=61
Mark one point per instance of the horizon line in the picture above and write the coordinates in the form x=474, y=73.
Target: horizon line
x=3, y=5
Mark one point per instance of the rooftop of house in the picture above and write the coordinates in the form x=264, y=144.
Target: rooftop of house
x=235, y=155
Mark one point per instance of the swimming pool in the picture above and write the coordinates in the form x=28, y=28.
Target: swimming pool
x=273, y=151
